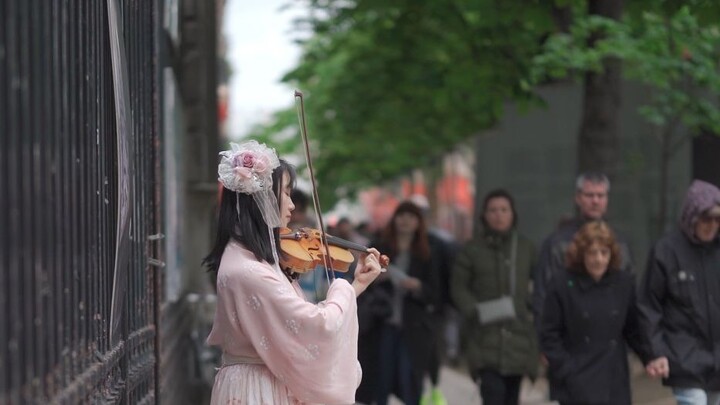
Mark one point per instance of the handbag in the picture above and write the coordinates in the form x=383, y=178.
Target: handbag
x=503, y=308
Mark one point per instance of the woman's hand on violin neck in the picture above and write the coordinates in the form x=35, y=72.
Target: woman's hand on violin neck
x=367, y=270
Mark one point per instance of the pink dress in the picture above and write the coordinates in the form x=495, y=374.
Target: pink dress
x=278, y=348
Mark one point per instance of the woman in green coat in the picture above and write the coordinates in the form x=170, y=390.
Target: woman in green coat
x=490, y=287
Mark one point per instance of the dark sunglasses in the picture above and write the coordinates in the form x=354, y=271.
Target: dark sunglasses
x=709, y=218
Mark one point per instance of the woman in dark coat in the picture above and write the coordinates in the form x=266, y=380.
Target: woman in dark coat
x=590, y=313
x=397, y=337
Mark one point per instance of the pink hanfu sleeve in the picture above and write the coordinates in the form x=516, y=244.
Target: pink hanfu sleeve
x=311, y=348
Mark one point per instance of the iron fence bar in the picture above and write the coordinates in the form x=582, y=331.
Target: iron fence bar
x=55, y=251
x=14, y=356
x=43, y=233
x=58, y=164
x=4, y=207
x=79, y=353
x=80, y=172
x=25, y=234
x=37, y=182
x=52, y=185
x=83, y=385
x=157, y=34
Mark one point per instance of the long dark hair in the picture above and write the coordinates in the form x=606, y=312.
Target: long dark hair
x=420, y=244
x=247, y=226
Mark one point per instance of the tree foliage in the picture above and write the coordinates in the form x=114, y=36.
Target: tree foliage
x=673, y=51
x=676, y=56
x=391, y=86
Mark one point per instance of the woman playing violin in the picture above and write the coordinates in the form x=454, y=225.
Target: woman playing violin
x=277, y=347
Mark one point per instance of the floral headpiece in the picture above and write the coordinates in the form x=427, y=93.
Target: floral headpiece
x=247, y=168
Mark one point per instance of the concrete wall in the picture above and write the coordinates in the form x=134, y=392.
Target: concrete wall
x=533, y=155
x=190, y=146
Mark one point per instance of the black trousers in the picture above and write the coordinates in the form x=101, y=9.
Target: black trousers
x=497, y=389
x=434, y=362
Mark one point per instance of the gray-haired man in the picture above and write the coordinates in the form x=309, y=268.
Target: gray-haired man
x=591, y=199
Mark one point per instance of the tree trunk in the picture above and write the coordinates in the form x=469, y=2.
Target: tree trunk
x=670, y=143
x=598, y=140
x=665, y=155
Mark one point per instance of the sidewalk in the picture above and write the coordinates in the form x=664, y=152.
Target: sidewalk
x=459, y=389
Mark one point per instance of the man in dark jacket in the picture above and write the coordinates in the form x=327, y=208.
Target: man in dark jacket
x=591, y=199
x=680, y=301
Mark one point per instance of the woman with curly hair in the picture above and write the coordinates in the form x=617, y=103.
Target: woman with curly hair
x=590, y=315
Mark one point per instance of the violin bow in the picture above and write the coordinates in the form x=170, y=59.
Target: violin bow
x=316, y=200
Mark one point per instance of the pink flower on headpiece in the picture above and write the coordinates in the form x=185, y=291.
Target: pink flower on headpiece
x=245, y=159
x=242, y=172
x=261, y=164
x=257, y=164
x=247, y=167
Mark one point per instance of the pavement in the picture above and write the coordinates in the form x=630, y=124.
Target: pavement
x=459, y=389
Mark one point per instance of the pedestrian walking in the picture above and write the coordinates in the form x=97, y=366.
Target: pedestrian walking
x=591, y=200
x=590, y=314
x=443, y=249
x=406, y=335
x=490, y=287
x=680, y=301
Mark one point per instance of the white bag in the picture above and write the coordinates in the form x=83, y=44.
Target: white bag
x=499, y=309
x=503, y=308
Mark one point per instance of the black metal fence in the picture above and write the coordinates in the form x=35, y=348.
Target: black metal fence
x=59, y=207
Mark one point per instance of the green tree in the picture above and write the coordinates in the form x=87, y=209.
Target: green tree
x=676, y=56
x=391, y=86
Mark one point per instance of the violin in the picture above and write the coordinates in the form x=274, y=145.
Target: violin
x=303, y=251
x=306, y=248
